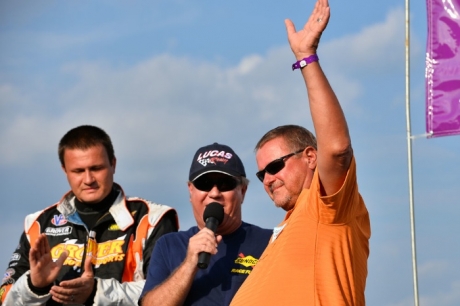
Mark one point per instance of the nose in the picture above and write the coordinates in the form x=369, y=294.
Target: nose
x=89, y=178
x=268, y=178
x=214, y=192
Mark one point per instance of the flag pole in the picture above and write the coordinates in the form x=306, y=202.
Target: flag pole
x=409, y=155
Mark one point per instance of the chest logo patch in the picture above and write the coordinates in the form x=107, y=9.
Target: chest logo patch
x=248, y=262
x=102, y=252
x=59, y=220
x=114, y=227
x=58, y=231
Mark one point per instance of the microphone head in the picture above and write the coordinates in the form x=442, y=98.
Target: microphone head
x=214, y=210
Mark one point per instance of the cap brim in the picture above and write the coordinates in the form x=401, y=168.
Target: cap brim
x=212, y=171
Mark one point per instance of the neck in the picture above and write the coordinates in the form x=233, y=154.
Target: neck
x=103, y=205
x=227, y=228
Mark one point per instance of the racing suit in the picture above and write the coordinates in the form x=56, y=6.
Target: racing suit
x=121, y=243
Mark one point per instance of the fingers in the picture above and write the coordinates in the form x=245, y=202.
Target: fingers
x=290, y=27
x=88, y=267
x=319, y=17
x=63, y=298
x=203, y=241
x=62, y=258
x=67, y=296
x=73, y=291
x=45, y=243
x=40, y=244
x=33, y=256
x=321, y=12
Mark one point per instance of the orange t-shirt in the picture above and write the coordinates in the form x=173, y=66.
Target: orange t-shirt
x=318, y=254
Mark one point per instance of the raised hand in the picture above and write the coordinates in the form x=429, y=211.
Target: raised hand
x=75, y=291
x=305, y=41
x=43, y=270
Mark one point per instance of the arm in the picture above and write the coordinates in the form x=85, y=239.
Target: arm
x=174, y=290
x=15, y=289
x=32, y=274
x=334, y=144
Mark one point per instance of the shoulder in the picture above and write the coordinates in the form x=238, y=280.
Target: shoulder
x=155, y=211
x=41, y=215
x=150, y=205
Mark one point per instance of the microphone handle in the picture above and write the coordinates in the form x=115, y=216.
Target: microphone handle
x=204, y=257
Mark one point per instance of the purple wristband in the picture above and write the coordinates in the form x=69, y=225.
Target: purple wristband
x=304, y=62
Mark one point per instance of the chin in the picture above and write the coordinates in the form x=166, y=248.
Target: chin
x=91, y=200
x=284, y=203
x=279, y=204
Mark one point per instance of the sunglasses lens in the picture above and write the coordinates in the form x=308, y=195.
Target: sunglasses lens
x=227, y=184
x=261, y=175
x=203, y=184
x=272, y=168
x=275, y=166
x=223, y=184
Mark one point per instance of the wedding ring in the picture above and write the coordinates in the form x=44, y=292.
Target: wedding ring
x=72, y=298
x=319, y=20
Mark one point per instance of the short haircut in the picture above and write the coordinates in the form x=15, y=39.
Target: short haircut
x=244, y=181
x=295, y=136
x=84, y=137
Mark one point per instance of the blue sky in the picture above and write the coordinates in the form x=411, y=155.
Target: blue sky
x=166, y=77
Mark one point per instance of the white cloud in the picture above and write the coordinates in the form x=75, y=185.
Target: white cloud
x=433, y=269
x=375, y=49
x=166, y=97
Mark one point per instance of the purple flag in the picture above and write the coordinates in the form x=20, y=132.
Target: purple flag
x=443, y=68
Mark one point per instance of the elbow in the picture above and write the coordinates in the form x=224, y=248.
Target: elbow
x=343, y=155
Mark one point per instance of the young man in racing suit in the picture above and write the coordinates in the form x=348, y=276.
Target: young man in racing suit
x=94, y=245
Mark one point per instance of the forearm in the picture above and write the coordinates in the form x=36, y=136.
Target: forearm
x=328, y=118
x=174, y=290
x=333, y=139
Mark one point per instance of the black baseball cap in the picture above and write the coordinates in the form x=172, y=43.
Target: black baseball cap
x=216, y=158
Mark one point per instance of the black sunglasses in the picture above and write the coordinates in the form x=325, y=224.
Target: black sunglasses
x=225, y=183
x=275, y=166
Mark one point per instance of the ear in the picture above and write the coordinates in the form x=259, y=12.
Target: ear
x=114, y=164
x=190, y=188
x=243, y=192
x=311, y=156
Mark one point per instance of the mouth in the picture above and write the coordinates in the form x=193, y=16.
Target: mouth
x=273, y=187
x=91, y=189
x=222, y=204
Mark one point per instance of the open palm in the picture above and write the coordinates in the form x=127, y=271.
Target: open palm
x=43, y=270
x=305, y=41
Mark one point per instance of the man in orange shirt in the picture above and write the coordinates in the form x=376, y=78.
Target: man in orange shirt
x=318, y=254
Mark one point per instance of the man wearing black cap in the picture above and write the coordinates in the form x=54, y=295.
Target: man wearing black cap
x=216, y=175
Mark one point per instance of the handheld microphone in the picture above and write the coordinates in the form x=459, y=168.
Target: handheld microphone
x=213, y=215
